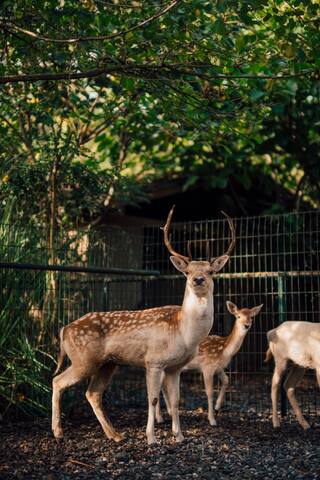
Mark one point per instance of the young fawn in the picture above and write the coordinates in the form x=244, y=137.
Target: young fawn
x=214, y=355
x=159, y=339
x=298, y=342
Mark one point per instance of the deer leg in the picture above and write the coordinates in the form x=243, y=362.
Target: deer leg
x=294, y=377
x=318, y=375
x=280, y=365
x=60, y=383
x=172, y=383
x=153, y=386
x=208, y=383
x=166, y=396
x=224, y=385
x=98, y=384
x=159, y=416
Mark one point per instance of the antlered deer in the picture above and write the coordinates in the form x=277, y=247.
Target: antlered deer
x=298, y=342
x=214, y=355
x=159, y=339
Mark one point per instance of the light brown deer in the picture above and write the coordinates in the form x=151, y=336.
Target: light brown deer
x=214, y=355
x=297, y=342
x=159, y=339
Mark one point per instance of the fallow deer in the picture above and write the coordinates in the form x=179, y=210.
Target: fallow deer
x=214, y=355
x=297, y=342
x=159, y=339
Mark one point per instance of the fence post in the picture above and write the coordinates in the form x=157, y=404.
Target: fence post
x=281, y=309
x=106, y=303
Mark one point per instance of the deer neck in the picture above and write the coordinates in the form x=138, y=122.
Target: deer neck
x=196, y=317
x=234, y=340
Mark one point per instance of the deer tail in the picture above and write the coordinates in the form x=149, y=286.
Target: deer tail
x=269, y=355
x=61, y=355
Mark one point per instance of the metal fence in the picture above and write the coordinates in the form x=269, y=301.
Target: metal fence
x=275, y=262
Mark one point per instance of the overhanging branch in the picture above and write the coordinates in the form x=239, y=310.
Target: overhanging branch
x=8, y=26
x=146, y=71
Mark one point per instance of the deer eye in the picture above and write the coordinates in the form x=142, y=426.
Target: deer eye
x=211, y=272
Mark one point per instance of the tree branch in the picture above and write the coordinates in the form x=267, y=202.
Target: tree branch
x=146, y=71
x=8, y=25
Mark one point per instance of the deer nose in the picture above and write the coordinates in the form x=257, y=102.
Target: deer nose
x=198, y=280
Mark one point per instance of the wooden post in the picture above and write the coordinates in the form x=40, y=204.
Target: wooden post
x=281, y=307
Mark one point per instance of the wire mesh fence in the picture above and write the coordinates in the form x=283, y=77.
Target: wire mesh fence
x=275, y=262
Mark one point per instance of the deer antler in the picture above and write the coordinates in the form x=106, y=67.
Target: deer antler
x=189, y=258
x=166, y=238
x=233, y=234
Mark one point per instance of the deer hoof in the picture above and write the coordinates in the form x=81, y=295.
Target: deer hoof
x=179, y=437
x=213, y=422
x=306, y=426
x=152, y=441
x=58, y=435
x=118, y=437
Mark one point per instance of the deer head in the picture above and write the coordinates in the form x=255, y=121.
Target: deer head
x=198, y=273
x=244, y=316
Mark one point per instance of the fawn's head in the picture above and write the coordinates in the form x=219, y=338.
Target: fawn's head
x=244, y=316
x=198, y=273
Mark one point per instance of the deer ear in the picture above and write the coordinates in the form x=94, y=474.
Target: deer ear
x=219, y=263
x=232, y=307
x=255, y=310
x=179, y=263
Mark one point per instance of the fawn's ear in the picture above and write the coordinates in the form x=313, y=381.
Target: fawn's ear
x=255, y=310
x=179, y=263
x=232, y=307
x=219, y=263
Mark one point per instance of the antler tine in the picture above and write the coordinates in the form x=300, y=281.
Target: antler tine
x=233, y=233
x=166, y=237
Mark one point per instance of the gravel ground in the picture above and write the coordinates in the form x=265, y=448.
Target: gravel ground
x=241, y=447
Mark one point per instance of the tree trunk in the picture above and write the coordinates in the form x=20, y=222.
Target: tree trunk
x=50, y=306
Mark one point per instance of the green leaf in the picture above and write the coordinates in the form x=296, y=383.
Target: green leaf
x=219, y=26
x=256, y=95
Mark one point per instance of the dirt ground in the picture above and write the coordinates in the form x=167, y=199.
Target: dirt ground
x=241, y=447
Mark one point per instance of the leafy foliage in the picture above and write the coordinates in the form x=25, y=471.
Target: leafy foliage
x=137, y=90
x=24, y=364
